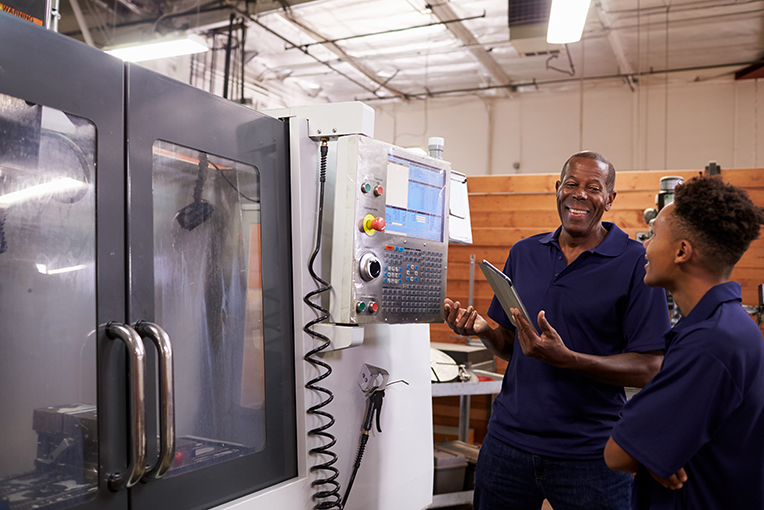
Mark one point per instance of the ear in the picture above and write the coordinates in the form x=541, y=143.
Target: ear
x=683, y=252
x=610, y=199
x=557, y=186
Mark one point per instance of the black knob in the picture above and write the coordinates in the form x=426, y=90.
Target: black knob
x=375, y=268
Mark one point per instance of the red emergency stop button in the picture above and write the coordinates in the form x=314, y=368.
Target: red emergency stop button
x=378, y=224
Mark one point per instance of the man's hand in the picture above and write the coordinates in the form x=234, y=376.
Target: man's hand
x=548, y=347
x=674, y=482
x=465, y=321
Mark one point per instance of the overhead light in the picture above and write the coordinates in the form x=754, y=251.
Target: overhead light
x=54, y=186
x=566, y=21
x=160, y=48
x=43, y=269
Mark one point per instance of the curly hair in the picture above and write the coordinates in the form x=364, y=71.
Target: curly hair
x=719, y=219
x=609, y=180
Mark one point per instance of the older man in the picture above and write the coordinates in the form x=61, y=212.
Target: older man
x=559, y=400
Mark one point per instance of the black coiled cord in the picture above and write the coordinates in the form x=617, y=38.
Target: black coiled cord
x=3, y=244
x=329, y=497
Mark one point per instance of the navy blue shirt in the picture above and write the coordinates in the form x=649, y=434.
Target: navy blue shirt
x=599, y=305
x=704, y=411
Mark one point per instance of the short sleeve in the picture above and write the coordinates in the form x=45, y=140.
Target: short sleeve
x=677, y=412
x=646, y=316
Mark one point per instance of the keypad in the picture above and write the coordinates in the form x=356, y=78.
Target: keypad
x=412, y=280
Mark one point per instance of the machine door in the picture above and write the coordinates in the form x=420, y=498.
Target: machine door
x=63, y=415
x=210, y=265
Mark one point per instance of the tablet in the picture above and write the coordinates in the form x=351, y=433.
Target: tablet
x=505, y=291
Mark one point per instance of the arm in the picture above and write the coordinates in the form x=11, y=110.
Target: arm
x=626, y=369
x=466, y=321
x=618, y=459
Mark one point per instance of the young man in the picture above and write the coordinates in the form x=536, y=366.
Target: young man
x=695, y=434
x=559, y=402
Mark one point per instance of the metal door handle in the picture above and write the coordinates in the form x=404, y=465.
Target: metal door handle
x=137, y=369
x=166, y=401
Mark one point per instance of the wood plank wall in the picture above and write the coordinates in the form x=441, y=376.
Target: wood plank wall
x=507, y=208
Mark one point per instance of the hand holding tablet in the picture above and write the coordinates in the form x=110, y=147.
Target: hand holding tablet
x=505, y=291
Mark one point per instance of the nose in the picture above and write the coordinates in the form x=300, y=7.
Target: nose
x=580, y=194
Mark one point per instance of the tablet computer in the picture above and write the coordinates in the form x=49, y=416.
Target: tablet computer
x=505, y=291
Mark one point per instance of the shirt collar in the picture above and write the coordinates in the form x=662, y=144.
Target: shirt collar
x=613, y=245
x=722, y=293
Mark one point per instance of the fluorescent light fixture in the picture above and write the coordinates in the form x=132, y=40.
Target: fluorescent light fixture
x=566, y=21
x=42, y=268
x=160, y=48
x=54, y=186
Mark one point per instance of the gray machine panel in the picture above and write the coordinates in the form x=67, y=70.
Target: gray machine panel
x=399, y=272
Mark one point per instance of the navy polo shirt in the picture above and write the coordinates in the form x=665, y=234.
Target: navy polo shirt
x=599, y=305
x=704, y=411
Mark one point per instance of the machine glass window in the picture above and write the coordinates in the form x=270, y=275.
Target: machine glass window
x=208, y=297
x=47, y=307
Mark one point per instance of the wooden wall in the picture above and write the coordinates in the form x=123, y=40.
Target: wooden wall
x=507, y=208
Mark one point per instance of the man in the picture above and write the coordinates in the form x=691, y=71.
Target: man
x=695, y=434
x=559, y=401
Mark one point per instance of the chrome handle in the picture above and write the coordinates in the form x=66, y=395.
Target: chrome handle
x=166, y=401
x=137, y=369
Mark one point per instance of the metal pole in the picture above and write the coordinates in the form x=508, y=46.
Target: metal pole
x=227, y=69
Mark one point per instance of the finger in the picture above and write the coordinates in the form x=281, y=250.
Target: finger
x=470, y=325
x=453, y=313
x=464, y=315
x=682, y=475
x=674, y=483
x=544, y=324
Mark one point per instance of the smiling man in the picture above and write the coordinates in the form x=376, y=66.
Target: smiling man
x=558, y=400
x=695, y=433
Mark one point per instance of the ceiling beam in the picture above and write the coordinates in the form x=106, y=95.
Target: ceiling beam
x=446, y=14
x=612, y=37
x=334, y=48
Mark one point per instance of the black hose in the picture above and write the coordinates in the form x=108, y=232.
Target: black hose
x=329, y=497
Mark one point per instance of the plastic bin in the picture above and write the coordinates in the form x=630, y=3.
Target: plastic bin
x=450, y=469
x=470, y=453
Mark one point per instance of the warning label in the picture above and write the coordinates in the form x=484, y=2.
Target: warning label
x=20, y=14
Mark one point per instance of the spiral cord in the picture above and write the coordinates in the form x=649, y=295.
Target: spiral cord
x=328, y=497
x=3, y=244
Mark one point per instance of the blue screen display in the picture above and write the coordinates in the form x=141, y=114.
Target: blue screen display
x=423, y=215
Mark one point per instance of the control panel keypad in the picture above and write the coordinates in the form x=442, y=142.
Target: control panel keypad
x=412, y=280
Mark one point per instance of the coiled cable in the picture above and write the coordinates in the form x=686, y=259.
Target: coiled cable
x=3, y=244
x=329, y=497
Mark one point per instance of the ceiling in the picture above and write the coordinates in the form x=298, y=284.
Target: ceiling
x=407, y=50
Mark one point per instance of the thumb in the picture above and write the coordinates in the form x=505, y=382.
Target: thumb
x=543, y=323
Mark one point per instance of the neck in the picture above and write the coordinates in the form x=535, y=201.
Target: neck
x=587, y=241
x=688, y=294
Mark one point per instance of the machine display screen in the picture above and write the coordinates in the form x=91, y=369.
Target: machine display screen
x=415, y=199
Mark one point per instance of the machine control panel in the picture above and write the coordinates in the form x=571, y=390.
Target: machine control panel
x=391, y=213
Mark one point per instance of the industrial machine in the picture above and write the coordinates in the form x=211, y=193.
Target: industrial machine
x=178, y=293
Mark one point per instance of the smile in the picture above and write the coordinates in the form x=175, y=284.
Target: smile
x=577, y=211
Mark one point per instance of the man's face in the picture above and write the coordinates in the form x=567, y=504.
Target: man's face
x=582, y=196
x=660, y=250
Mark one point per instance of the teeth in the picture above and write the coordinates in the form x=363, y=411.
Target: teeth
x=576, y=211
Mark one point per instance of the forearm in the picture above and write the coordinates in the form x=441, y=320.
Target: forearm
x=627, y=369
x=617, y=459
x=499, y=340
